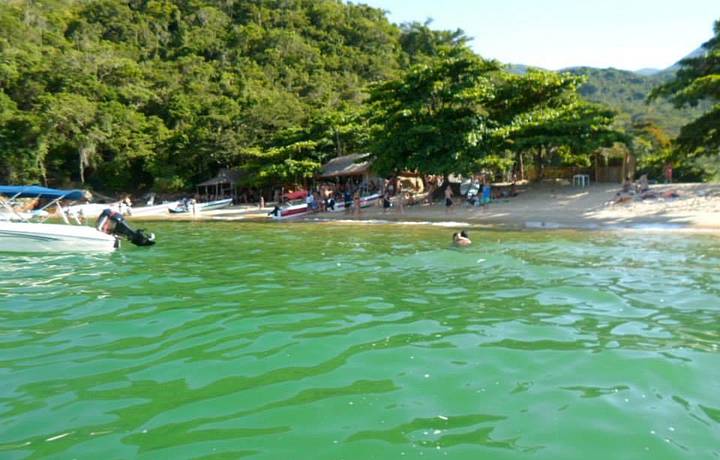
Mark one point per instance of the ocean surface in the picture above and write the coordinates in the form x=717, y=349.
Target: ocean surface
x=332, y=341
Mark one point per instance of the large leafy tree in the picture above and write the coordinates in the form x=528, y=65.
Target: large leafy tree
x=541, y=114
x=697, y=80
x=434, y=119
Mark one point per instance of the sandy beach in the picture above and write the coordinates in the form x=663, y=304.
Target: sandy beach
x=697, y=206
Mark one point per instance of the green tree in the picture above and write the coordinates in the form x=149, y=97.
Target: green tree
x=541, y=114
x=433, y=120
x=698, y=80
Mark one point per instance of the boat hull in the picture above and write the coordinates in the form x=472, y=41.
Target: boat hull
x=50, y=238
x=200, y=207
x=155, y=210
x=301, y=209
x=292, y=211
x=365, y=202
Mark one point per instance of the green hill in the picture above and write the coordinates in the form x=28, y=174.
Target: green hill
x=134, y=93
x=627, y=93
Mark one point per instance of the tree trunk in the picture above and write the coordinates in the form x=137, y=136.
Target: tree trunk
x=539, y=164
x=82, y=165
x=597, y=166
x=521, y=167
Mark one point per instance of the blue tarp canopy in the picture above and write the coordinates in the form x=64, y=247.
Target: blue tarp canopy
x=33, y=191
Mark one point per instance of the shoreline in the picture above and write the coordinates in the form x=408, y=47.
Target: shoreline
x=537, y=207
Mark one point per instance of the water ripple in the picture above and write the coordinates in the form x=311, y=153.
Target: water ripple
x=264, y=341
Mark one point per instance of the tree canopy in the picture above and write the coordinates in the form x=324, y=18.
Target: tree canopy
x=162, y=93
x=697, y=81
x=433, y=120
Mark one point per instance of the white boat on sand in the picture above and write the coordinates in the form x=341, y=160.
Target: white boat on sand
x=187, y=206
x=299, y=208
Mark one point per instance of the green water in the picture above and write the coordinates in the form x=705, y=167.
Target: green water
x=314, y=341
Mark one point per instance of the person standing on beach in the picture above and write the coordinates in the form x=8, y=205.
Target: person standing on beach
x=668, y=173
x=400, y=198
x=356, y=200
x=448, y=198
x=486, y=193
x=386, y=201
x=347, y=199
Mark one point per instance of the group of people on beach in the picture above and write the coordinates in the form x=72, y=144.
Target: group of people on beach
x=327, y=197
x=640, y=189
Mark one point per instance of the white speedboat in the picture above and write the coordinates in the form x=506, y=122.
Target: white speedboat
x=50, y=238
x=187, y=206
x=365, y=202
x=154, y=210
x=93, y=210
x=20, y=234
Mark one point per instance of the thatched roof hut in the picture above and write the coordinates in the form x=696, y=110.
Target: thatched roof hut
x=222, y=185
x=356, y=164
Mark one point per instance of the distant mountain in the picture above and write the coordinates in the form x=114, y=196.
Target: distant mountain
x=627, y=91
x=648, y=72
x=518, y=69
x=674, y=68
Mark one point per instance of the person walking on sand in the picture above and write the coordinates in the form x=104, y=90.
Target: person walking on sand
x=448, y=198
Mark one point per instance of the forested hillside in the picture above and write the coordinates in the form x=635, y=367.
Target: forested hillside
x=627, y=92
x=138, y=94
x=125, y=94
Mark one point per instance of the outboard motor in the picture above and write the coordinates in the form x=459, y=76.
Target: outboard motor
x=113, y=223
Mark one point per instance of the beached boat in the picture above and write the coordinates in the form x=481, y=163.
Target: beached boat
x=91, y=211
x=365, y=202
x=294, y=205
x=154, y=210
x=289, y=210
x=19, y=234
x=299, y=208
x=186, y=206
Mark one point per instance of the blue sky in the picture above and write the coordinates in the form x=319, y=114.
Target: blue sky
x=625, y=34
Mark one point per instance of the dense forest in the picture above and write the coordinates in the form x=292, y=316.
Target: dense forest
x=140, y=94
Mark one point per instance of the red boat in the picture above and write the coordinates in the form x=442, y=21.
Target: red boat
x=294, y=205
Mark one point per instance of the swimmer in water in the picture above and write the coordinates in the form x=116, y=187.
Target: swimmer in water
x=461, y=239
